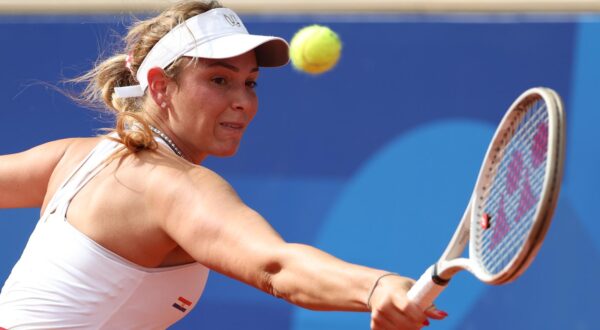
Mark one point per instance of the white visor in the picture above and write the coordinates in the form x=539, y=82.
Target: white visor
x=217, y=33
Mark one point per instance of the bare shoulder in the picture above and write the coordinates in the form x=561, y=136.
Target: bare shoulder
x=82, y=144
x=188, y=188
x=77, y=148
x=63, y=149
x=70, y=153
x=184, y=178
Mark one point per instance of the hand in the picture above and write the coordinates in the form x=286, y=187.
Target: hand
x=391, y=309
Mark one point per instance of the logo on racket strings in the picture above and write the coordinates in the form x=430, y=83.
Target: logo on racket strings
x=518, y=180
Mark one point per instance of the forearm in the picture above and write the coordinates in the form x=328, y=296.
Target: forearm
x=316, y=280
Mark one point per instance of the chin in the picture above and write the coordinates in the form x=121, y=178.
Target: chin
x=226, y=152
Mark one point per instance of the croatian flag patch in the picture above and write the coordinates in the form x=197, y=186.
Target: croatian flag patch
x=182, y=304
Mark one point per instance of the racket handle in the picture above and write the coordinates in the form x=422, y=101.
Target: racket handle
x=425, y=290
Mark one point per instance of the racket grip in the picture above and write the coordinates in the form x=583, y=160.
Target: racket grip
x=425, y=290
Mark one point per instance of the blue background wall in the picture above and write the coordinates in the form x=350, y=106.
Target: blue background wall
x=367, y=159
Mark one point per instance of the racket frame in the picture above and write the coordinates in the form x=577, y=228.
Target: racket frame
x=436, y=277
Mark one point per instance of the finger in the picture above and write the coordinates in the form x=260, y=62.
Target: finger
x=436, y=314
x=409, y=313
x=381, y=323
x=386, y=325
x=392, y=318
x=414, y=313
x=391, y=313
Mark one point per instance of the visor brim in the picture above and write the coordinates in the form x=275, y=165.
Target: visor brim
x=270, y=51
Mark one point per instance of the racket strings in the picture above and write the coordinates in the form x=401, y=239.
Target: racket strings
x=506, y=187
x=510, y=247
x=509, y=230
x=516, y=185
x=503, y=226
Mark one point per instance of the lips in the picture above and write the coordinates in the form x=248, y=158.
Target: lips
x=232, y=125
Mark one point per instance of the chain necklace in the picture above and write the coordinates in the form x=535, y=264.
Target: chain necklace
x=167, y=140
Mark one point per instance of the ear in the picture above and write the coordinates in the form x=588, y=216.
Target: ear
x=157, y=86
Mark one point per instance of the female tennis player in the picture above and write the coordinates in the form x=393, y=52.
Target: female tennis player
x=131, y=223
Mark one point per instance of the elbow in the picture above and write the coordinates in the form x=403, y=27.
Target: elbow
x=268, y=282
x=278, y=275
x=281, y=278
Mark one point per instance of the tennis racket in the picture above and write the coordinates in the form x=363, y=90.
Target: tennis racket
x=514, y=198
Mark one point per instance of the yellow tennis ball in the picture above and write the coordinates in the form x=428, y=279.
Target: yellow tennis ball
x=315, y=49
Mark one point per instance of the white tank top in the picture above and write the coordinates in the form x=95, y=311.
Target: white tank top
x=65, y=280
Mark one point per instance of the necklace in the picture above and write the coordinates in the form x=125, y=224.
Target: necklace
x=167, y=140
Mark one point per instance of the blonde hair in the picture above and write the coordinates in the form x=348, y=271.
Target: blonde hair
x=120, y=70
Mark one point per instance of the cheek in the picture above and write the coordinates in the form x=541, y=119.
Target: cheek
x=254, y=108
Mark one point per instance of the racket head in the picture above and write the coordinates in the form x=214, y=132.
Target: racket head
x=517, y=187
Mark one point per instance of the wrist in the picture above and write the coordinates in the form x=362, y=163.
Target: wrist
x=374, y=287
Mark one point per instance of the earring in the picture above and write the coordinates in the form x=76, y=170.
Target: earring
x=163, y=105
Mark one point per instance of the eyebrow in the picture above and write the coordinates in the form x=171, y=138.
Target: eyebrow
x=230, y=67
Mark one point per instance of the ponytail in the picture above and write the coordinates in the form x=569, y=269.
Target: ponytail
x=132, y=123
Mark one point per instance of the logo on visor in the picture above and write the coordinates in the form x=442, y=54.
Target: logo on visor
x=232, y=20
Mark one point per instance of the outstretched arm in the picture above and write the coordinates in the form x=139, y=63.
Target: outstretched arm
x=24, y=176
x=207, y=219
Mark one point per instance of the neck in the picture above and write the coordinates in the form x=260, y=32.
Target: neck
x=168, y=141
x=191, y=155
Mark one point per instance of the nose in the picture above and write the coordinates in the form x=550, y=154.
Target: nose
x=244, y=99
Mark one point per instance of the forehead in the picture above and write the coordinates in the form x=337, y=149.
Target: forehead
x=243, y=63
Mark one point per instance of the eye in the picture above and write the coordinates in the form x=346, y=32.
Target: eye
x=219, y=81
x=251, y=84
